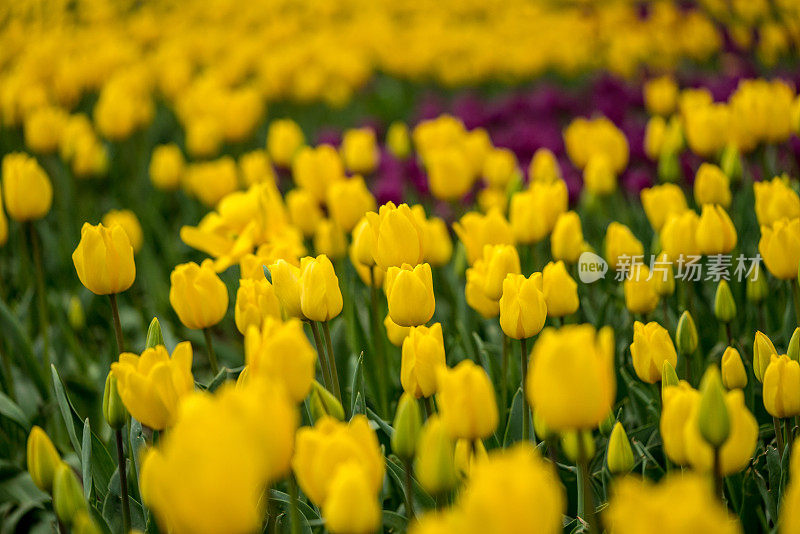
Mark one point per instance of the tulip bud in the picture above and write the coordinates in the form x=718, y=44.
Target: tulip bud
x=43, y=459
x=734, y=375
x=757, y=287
x=763, y=349
x=114, y=410
x=569, y=444
x=523, y=308
x=780, y=247
x=351, y=506
x=713, y=420
x=322, y=402
x=407, y=426
x=27, y=191
x=82, y=523
x=712, y=186
x=620, y=455
x=435, y=462
x=715, y=231
x=409, y=292
x=724, y=304
x=284, y=139
x=793, y=350
x=651, y=347
x=560, y=290
x=67, y=494
x=320, y=296
x=286, y=281
x=166, y=167
x=198, y=296
x=359, y=150
x=154, y=335
x=686, y=334
x=103, y=259
x=75, y=314
x=397, y=140
x=466, y=401
x=780, y=392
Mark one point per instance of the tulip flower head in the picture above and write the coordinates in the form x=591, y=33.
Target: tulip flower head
x=103, y=259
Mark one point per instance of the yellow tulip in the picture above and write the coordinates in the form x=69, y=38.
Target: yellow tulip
x=103, y=259
x=397, y=237
x=660, y=95
x=398, y=141
x=712, y=186
x=498, y=261
x=396, y=333
x=571, y=383
x=476, y=230
x=544, y=167
x=352, y=504
x=360, y=150
x=286, y=281
x=560, y=290
x=661, y=201
x=152, y=385
x=255, y=301
x=598, y=176
x=780, y=248
x=781, y=393
x=348, y=201
x=438, y=245
x=533, y=212
x=320, y=296
x=681, y=502
x=422, y=357
x=27, y=191
x=43, y=459
x=304, y=210
x=281, y=352
x=284, y=139
x=475, y=295
x=198, y=295
x=775, y=200
x=466, y=401
x=651, y=347
x=255, y=168
x=566, y=241
x=409, y=292
x=499, y=168
x=450, y=173
x=679, y=236
x=679, y=401
x=330, y=240
x=737, y=450
x=619, y=457
x=523, y=308
x=322, y=450
x=620, y=243
x=166, y=167
x=715, y=231
x=734, y=375
x=316, y=169
x=128, y=221
x=640, y=290
x=513, y=490
x=179, y=477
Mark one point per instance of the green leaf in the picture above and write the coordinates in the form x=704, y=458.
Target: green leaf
x=11, y=410
x=514, y=425
x=397, y=472
x=383, y=425
x=221, y=377
x=13, y=330
x=65, y=408
x=357, y=386
x=394, y=522
x=302, y=506
x=112, y=512
x=86, y=460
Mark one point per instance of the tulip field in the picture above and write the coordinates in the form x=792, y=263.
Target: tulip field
x=389, y=266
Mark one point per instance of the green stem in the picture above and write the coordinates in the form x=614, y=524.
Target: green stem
x=123, y=483
x=380, y=347
x=787, y=423
x=718, y=474
x=587, y=494
x=212, y=357
x=293, y=511
x=504, y=376
x=430, y=409
x=524, y=366
x=117, y=325
x=41, y=297
x=332, y=361
x=323, y=360
x=778, y=435
x=409, y=491
x=796, y=299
